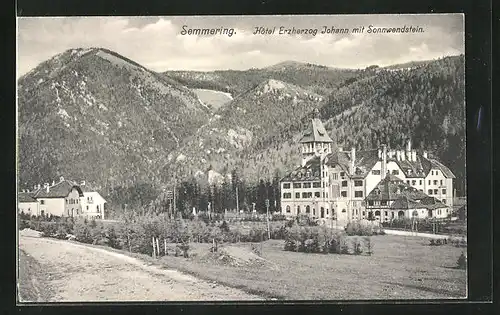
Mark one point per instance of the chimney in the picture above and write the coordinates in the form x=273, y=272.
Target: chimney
x=414, y=155
x=408, y=150
x=82, y=183
x=402, y=155
x=46, y=185
x=424, y=154
x=379, y=153
x=39, y=186
x=34, y=187
x=61, y=179
x=353, y=159
x=53, y=182
x=384, y=161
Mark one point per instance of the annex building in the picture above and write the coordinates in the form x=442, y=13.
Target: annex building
x=381, y=183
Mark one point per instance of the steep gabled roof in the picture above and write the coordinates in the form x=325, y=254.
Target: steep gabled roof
x=316, y=132
x=59, y=190
x=445, y=170
x=392, y=188
x=363, y=163
x=308, y=172
x=25, y=197
x=413, y=169
x=404, y=202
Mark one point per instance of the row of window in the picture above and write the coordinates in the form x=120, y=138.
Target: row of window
x=435, y=182
x=436, y=191
x=72, y=201
x=357, y=194
x=305, y=195
x=302, y=185
x=378, y=172
x=308, y=210
x=357, y=183
x=435, y=172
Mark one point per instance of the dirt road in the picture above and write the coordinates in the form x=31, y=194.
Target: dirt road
x=77, y=273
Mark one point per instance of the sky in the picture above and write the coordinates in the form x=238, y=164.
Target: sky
x=157, y=42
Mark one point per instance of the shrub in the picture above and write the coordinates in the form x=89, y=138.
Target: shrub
x=224, y=227
x=278, y=217
x=48, y=228
x=358, y=229
x=357, y=249
x=23, y=224
x=462, y=261
x=112, y=238
x=311, y=245
x=368, y=245
x=82, y=232
x=344, y=247
x=184, y=249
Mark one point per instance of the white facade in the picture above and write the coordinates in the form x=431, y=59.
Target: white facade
x=30, y=208
x=439, y=187
x=93, y=205
x=53, y=206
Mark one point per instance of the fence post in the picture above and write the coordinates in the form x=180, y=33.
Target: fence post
x=154, y=249
x=158, y=246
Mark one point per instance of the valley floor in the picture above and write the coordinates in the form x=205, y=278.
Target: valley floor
x=401, y=268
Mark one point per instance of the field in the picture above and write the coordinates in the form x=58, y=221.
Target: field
x=214, y=98
x=400, y=268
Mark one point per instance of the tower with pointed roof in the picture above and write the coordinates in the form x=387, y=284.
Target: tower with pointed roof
x=315, y=140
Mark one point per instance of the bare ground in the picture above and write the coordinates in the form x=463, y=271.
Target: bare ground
x=75, y=273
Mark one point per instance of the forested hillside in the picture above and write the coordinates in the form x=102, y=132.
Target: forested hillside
x=318, y=79
x=95, y=115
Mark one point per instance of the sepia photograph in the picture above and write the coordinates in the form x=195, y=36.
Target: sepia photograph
x=241, y=158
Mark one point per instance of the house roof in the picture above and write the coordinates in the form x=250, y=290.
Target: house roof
x=363, y=162
x=392, y=188
x=406, y=203
x=316, y=132
x=25, y=197
x=445, y=170
x=309, y=172
x=59, y=190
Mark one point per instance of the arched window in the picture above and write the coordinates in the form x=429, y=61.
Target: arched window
x=308, y=209
x=377, y=213
x=401, y=214
x=415, y=213
x=287, y=209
